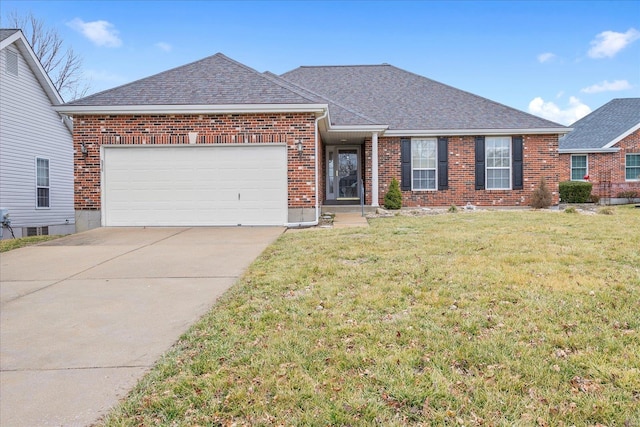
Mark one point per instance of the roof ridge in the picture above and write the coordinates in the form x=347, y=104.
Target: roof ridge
x=357, y=113
x=145, y=78
x=275, y=81
x=602, y=107
x=384, y=64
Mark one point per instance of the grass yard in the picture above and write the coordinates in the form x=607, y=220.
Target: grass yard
x=494, y=318
x=10, y=244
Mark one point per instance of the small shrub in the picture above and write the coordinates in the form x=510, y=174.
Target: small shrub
x=594, y=198
x=452, y=209
x=541, y=197
x=629, y=195
x=393, y=198
x=570, y=210
x=606, y=211
x=575, y=191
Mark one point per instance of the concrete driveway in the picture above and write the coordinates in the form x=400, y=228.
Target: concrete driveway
x=84, y=317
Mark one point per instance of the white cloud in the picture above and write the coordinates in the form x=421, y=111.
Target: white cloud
x=101, y=33
x=545, y=57
x=164, y=46
x=550, y=111
x=607, y=86
x=608, y=43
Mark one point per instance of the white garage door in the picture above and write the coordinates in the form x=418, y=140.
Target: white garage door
x=195, y=185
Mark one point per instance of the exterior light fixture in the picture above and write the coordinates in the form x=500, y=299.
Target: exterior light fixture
x=299, y=146
x=83, y=149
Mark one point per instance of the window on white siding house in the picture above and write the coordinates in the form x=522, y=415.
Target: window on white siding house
x=11, y=62
x=42, y=183
x=578, y=167
x=632, y=167
x=424, y=159
x=498, y=158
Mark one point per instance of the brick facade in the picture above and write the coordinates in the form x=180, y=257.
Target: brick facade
x=540, y=156
x=603, y=168
x=540, y=160
x=95, y=130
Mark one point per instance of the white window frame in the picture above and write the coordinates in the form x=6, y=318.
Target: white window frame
x=39, y=186
x=487, y=140
x=434, y=169
x=626, y=162
x=586, y=167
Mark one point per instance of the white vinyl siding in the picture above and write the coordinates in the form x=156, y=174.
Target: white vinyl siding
x=29, y=128
x=578, y=167
x=632, y=167
x=498, y=162
x=423, y=163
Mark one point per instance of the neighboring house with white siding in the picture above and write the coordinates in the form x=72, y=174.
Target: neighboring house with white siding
x=36, y=146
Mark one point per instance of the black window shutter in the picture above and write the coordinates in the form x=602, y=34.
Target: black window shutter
x=443, y=163
x=405, y=160
x=480, y=171
x=516, y=146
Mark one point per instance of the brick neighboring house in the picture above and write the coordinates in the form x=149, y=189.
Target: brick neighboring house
x=605, y=147
x=215, y=142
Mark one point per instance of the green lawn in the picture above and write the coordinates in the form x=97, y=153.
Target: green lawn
x=10, y=244
x=496, y=318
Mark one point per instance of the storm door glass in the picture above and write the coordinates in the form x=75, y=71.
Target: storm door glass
x=348, y=174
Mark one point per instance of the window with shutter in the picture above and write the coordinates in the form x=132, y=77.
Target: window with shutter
x=405, y=161
x=443, y=164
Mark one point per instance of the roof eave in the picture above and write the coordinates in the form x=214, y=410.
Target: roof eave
x=623, y=136
x=587, y=150
x=452, y=132
x=192, y=109
x=358, y=128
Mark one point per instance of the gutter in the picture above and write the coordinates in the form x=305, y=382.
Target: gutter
x=317, y=220
x=456, y=132
x=587, y=150
x=190, y=109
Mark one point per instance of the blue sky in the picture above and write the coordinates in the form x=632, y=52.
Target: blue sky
x=556, y=59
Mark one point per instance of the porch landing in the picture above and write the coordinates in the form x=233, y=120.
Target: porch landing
x=350, y=209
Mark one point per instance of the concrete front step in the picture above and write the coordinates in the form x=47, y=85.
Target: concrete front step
x=336, y=209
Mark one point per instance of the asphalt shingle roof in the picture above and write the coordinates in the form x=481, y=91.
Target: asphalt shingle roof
x=603, y=125
x=6, y=32
x=338, y=111
x=403, y=100
x=215, y=80
x=356, y=95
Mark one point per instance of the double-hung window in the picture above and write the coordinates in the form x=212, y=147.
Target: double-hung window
x=498, y=161
x=42, y=183
x=578, y=167
x=632, y=167
x=423, y=163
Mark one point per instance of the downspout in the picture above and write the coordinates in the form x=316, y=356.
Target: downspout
x=314, y=223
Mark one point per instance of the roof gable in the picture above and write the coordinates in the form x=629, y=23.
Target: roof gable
x=604, y=127
x=215, y=80
x=15, y=37
x=408, y=101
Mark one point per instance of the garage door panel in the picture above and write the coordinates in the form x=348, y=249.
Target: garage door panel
x=195, y=185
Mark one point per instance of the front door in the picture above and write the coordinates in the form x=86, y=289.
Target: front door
x=343, y=173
